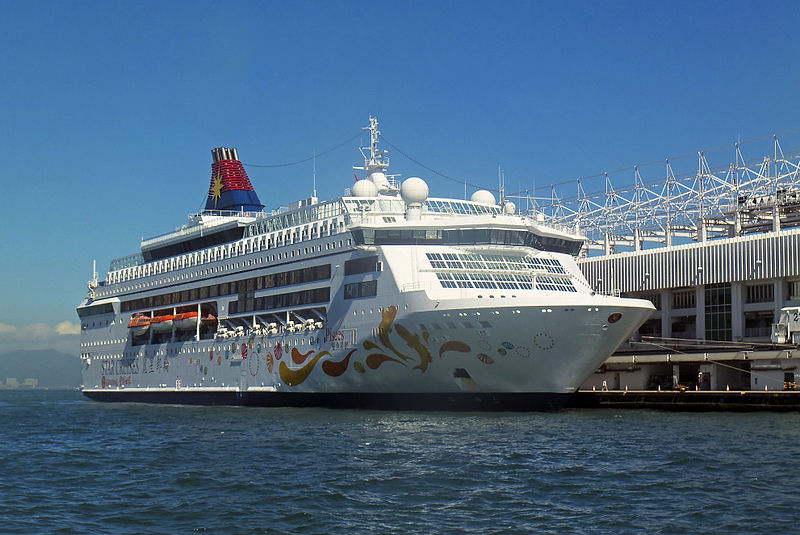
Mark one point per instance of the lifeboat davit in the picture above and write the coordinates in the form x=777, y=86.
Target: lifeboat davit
x=161, y=324
x=139, y=324
x=185, y=320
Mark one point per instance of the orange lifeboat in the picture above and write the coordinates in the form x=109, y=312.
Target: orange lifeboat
x=185, y=320
x=208, y=320
x=161, y=324
x=139, y=324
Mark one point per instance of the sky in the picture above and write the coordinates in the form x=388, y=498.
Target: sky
x=110, y=109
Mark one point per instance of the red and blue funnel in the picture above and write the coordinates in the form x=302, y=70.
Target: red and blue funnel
x=230, y=188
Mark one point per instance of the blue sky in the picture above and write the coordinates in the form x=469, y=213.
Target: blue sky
x=109, y=109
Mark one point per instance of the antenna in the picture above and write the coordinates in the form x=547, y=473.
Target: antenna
x=314, y=191
x=94, y=283
x=501, y=183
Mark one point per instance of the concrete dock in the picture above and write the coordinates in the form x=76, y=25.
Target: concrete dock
x=688, y=400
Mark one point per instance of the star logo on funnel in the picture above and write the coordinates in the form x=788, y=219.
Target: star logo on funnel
x=216, y=189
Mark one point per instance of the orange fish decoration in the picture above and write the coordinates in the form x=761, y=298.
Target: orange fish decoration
x=335, y=369
x=454, y=345
x=299, y=358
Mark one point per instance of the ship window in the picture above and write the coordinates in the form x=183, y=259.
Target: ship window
x=360, y=289
x=95, y=309
x=544, y=282
x=361, y=265
x=462, y=280
x=446, y=279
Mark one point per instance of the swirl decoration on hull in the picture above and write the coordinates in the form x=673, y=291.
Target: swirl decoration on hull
x=377, y=354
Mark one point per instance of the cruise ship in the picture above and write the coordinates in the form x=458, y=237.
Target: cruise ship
x=384, y=298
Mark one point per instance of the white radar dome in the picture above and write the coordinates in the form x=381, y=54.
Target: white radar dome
x=482, y=196
x=510, y=208
x=364, y=188
x=414, y=190
x=379, y=179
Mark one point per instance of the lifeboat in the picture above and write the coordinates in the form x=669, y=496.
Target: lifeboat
x=185, y=320
x=139, y=324
x=208, y=320
x=161, y=324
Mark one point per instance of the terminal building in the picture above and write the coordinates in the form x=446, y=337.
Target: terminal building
x=717, y=251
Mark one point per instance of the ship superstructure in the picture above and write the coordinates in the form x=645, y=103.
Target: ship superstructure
x=384, y=298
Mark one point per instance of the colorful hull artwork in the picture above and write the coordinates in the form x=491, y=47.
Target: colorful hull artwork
x=371, y=355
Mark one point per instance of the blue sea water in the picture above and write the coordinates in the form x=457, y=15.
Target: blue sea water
x=70, y=465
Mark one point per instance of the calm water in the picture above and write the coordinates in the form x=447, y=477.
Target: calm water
x=71, y=465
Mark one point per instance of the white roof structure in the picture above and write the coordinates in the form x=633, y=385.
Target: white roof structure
x=720, y=194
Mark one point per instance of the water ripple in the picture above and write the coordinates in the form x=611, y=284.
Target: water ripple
x=74, y=466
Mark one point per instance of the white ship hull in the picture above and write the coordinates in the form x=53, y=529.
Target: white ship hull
x=530, y=357
x=384, y=299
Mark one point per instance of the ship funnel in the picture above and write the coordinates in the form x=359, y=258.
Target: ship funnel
x=230, y=188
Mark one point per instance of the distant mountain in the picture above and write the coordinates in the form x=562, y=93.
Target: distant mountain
x=51, y=368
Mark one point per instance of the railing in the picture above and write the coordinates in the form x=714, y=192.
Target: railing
x=247, y=245
x=214, y=220
x=417, y=286
x=126, y=261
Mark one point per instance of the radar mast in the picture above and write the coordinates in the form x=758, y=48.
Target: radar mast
x=377, y=161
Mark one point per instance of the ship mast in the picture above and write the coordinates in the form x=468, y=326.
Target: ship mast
x=377, y=161
x=93, y=284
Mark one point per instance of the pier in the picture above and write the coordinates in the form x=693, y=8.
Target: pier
x=688, y=400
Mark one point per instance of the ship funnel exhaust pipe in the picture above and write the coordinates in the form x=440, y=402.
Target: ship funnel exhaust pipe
x=224, y=153
x=230, y=188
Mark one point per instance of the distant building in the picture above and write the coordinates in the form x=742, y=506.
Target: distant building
x=716, y=250
x=715, y=303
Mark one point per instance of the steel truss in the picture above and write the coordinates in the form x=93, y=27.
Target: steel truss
x=711, y=200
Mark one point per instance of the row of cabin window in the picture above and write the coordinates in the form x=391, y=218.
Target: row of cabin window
x=291, y=299
x=273, y=280
x=369, y=236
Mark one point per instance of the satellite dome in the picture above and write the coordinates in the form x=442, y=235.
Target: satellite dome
x=482, y=196
x=510, y=208
x=414, y=190
x=364, y=188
